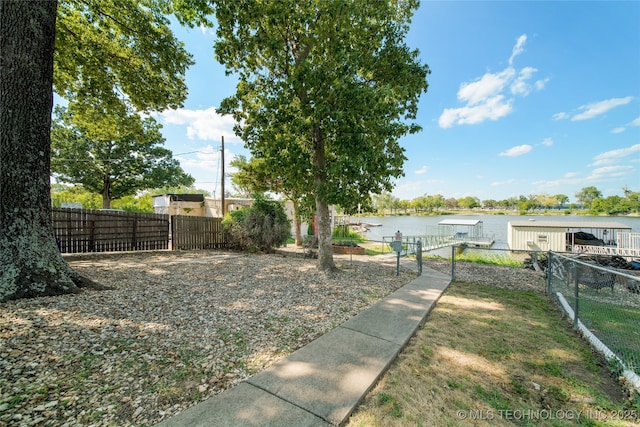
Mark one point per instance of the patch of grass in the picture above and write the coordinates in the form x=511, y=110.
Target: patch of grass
x=375, y=250
x=501, y=260
x=609, y=320
x=454, y=385
x=489, y=349
x=493, y=398
x=558, y=394
x=390, y=404
x=427, y=351
x=13, y=401
x=548, y=367
x=519, y=385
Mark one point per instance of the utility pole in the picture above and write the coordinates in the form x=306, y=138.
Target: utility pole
x=222, y=180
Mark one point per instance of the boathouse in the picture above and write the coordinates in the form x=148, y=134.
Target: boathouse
x=568, y=236
x=467, y=231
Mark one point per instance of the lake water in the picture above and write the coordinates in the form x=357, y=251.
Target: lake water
x=493, y=225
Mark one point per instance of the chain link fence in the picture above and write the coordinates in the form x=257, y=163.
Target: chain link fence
x=604, y=304
x=600, y=294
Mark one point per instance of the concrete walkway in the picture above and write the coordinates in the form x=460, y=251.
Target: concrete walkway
x=322, y=383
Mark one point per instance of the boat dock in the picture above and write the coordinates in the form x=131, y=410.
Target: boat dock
x=433, y=242
x=448, y=233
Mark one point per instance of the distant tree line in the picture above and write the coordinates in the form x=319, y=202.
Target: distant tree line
x=588, y=198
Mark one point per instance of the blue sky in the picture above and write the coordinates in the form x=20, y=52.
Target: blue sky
x=538, y=97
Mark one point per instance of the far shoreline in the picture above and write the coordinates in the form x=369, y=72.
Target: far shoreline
x=473, y=212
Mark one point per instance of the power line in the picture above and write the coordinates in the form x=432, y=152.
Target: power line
x=198, y=151
x=119, y=160
x=215, y=184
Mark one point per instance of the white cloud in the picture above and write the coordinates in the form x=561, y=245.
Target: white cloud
x=545, y=185
x=608, y=172
x=422, y=170
x=609, y=157
x=605, y=170
x=597, y=108
x=486, y=87
x=517, y=150
x=205, y=158
x=632, y=123
x=486, y=97
x=206, y=125
x=560, y=116
x=501, y=183
x=493, y=109
x=520, y=85
x=518, y=48
x=208, y=32
x=540, y=84
x=547, y=142
x=408, y=189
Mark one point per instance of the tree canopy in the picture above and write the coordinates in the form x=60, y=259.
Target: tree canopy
x=326, y=88
x=587, y=195
x=115, y=159
x=117, y=55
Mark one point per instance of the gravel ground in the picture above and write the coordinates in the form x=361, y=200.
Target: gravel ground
x=491, y=275
x=180, y=327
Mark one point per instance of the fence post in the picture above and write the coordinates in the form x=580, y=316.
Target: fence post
x=134, y=237
x=549, y=262
x=92, y=235
x=419, y=256
x=172, y=225
x=69, y=228
x=453, y=263
x=576, y=295
x=351, y=250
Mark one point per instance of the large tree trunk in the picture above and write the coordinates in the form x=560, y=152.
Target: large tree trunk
x=106, y=193
x=30, y=262
x=297, y=222
x=325, y=249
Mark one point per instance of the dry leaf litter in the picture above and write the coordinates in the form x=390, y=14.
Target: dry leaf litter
x=176, y=329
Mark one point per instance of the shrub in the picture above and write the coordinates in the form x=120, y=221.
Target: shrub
x=343, y=232
x=259, y=228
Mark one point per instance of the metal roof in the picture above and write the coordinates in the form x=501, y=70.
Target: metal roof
x=459, y=222
x=569, y=224
x=187, y=197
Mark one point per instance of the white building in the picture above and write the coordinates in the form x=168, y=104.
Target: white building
x=612, y=238
x=196, y=205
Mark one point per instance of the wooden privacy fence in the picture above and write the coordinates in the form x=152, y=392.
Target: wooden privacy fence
x=196, y=232
x=81, y=230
